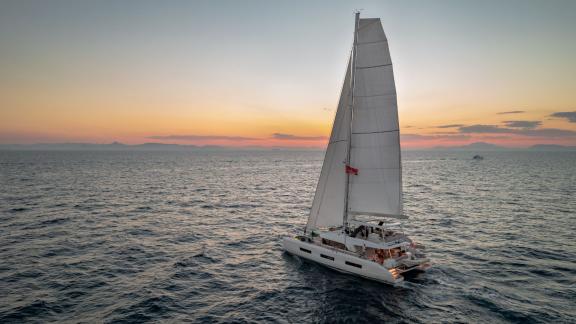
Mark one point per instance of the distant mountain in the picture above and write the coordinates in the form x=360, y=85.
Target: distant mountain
x=161, y=147
x=552, y=147
x=478, y=146
x=482, y=146
x=116, y=146
x=96, y=147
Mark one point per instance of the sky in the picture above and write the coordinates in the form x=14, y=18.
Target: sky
x=269, y=73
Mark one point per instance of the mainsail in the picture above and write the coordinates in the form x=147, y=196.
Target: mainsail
x=374, y=131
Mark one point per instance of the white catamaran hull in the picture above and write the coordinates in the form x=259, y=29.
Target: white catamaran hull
x=340, y=261
x=360, y=184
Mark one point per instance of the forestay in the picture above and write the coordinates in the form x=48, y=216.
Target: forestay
x=375, y=146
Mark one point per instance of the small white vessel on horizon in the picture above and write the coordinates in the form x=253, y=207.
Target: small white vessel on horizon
x=360, y=188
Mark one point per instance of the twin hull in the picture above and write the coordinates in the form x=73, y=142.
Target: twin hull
x=339, y=261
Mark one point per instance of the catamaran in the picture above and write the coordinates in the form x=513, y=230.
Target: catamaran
x=353, y=226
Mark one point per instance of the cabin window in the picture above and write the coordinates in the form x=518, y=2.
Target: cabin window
x=354, y=264
x=305, y=250
x=327, y=257
x=334, y=244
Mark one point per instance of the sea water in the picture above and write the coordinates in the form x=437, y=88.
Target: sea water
x=195, y=236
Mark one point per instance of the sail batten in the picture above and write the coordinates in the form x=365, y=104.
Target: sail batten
x=374, y=143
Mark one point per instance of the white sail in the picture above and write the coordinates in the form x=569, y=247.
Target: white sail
x=328, y=205
x=375, y=147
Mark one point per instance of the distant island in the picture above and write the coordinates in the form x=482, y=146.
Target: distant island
x=116, y=146
x=483, y=146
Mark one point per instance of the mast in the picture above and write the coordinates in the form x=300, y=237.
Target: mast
x=368, y=115
x=352, y=84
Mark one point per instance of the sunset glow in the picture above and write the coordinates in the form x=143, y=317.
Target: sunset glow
x=269, y=74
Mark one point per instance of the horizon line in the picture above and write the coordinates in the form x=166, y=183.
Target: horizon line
x=115, y=145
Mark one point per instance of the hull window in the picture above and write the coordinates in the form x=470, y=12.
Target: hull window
x=304, y=250
x=327, y=257
x=354, y=265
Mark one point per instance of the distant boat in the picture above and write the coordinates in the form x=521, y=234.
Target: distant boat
x=478, y=157
x=360, y=188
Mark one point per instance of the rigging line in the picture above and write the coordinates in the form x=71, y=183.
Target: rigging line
x=371, y=67
x=378, y=132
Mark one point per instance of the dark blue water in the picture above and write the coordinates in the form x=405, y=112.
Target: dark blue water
x=153, y=236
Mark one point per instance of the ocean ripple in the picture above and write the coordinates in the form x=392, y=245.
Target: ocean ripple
x=195, y=236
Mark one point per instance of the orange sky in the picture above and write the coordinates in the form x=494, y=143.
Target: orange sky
x=265, y=74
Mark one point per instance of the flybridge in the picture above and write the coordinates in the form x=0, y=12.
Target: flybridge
x=352, y=242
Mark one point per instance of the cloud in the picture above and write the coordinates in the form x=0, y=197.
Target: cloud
x=291, y=137
x=202, y=137
x=540, y=132
x=570, y=115
x=482, y=129
x=522, y=124
x=450, y=126
x=419, y=137
x=511, y=112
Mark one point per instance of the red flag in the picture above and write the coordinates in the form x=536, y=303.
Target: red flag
x=351, y=170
